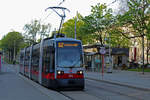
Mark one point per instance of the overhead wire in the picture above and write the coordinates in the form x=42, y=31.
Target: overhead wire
x=52, y=11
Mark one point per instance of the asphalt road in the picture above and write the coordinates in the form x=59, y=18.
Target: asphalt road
x=114, y=92
x=14, y=87
x=96, y=90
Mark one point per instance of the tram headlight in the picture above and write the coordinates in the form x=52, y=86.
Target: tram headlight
x=80, y=72
x=59, y=72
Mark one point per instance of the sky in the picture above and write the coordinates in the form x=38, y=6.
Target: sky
x=14, y=14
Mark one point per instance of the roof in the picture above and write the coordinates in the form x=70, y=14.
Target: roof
x=120, y=51
x=67, y=39
x=90, y=53
x=97, y=45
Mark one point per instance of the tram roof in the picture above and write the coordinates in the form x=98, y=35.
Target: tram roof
x=66, y=39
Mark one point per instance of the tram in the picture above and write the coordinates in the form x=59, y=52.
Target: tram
x=54, y=63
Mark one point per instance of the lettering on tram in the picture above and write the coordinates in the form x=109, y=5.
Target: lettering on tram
x=61, y=45
x=54, y=63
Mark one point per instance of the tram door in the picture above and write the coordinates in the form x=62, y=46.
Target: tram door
x=45, y=64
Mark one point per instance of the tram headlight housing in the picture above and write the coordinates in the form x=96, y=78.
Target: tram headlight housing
x=80, y=72
x=59, y=72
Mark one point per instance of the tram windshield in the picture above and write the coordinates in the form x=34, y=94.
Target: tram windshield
x=69, y=54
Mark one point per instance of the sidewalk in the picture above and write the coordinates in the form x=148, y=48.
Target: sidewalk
x=124, y=78
x=17, y=87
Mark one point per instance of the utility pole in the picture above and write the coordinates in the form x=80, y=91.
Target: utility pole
x=75, y=28
x=110, y=60
x=75, y=31
x=143, y=52
x=0, y=61
x=14, y=52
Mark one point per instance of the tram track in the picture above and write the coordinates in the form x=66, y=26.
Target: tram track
x=120, y=84
x=74, y=95
x=69, y=97
x=78, y=95
x=133, y=96
x=93, y=91
x=116, y=92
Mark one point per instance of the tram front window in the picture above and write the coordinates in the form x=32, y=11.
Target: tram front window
x=69, y=57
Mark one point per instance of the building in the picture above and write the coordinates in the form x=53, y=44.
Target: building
x=119, y=57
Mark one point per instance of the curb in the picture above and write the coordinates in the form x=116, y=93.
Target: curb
x=53, y=95
x=120, y=84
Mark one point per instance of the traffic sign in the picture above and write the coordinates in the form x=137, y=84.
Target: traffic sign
x=102, y=50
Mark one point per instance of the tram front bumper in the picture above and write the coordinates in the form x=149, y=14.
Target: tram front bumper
x=70, y=83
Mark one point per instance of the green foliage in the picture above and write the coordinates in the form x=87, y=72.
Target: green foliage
x=137, y=16
x=98, y=22
x=117, y=40
x=95, y=27
x=12, y=41
x=137, y=19
x=34, y=29
x=69, y=29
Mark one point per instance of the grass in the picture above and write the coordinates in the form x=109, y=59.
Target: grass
x=140, y=70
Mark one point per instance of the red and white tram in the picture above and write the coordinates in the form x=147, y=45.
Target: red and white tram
x=54, y=62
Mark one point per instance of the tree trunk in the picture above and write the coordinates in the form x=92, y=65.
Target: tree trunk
x=100, y=39
x=147, y=50
x=9, y=56
x=147, y=55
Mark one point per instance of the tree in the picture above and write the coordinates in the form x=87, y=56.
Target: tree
x=117, y=39
x=69, y=29
x=44, y=30
x=98, y=22
x=34, y=29
x=12, y=43
x=137, y=18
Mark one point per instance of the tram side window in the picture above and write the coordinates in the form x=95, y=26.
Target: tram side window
x=52, y=59
x=48, y=59
x=27, y=57
x=35, y=59
x=21, y=58
x=25, y=60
